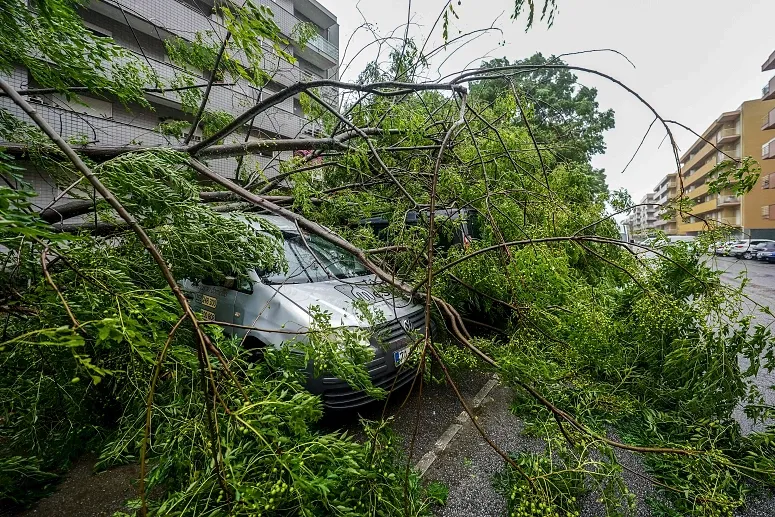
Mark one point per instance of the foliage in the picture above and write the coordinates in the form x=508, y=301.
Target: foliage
x=737, y=176
x=563, y=114
x=303, y=33
x=59, y=52
x=278, y=462
x=548, y=12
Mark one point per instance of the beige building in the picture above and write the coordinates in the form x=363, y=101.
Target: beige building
x=747, y=131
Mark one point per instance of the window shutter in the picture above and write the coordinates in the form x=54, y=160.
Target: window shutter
x=766, y=212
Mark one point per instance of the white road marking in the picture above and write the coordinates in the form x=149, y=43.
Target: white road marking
x=449, y=433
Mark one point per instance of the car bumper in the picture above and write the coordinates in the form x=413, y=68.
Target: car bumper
x=383, y=370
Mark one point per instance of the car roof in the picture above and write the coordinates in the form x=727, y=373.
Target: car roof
x=281, y=222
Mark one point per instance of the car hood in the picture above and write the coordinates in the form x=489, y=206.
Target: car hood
x=339, y=296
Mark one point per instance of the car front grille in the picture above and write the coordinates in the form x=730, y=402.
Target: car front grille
x=345, y=397
x=387, y=338
x=395, y=330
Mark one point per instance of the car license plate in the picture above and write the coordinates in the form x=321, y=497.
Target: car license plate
x=209, y=301
x=400, y=356
x=208, y=316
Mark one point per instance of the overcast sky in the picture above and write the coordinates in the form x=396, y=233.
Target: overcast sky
x=693, y=58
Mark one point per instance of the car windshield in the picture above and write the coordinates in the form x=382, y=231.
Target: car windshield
x=315, y=260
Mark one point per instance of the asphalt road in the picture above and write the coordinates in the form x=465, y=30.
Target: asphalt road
x=761, y=277
x=760, y=293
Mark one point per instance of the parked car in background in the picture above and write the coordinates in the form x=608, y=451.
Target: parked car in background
x=723, y=248
x=657, y=243
x=765, y=250
x=745, y=249
x=272, y=309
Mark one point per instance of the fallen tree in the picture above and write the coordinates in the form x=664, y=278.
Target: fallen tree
x=103, y=350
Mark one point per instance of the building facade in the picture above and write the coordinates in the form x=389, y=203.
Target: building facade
x=142, y=26
x=767, y=193
x=643, y=217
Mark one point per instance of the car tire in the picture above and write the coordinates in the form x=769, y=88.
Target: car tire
x=747, y=255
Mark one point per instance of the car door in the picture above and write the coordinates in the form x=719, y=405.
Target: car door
x=214, y=301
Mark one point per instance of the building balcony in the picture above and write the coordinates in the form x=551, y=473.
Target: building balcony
x=704, y=208
x=318, y=47
x=770, y=63
x=727, y=200
x=698, y=191
x=93, y=129
x=700, y=173
x=768, y=122
x=693, y=227
x=328, y=93
x=183, y=20
x=768, y=92
x=727, y=134
x=172, y=16
x=768, y=150
x=693, y=159
x=727, y=154
x=325, y=48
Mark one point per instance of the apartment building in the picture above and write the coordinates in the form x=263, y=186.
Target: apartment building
x=643, y=217
x=746, y=131
x=142, y=26
x=767, y=193
x=665, y=191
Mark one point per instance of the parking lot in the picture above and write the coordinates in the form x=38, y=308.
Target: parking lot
x=465, y=462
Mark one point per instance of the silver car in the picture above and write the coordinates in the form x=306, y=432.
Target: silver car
x=745, y=248
x=274, y=308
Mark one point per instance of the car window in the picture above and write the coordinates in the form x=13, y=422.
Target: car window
x=315, y=260
x=338, y=261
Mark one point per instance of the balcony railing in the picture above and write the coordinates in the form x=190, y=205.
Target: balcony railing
x=728, y=154
x=770, y=63
x=768, y=150
x=727, y=200
x=286, y=20
x=184, y=21
x=768, y=92
x=726, y=133
x=325, y=47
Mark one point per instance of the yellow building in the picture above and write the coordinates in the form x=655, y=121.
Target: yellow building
x=747, y=131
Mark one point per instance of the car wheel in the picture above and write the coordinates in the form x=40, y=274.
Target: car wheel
x=747, y=255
